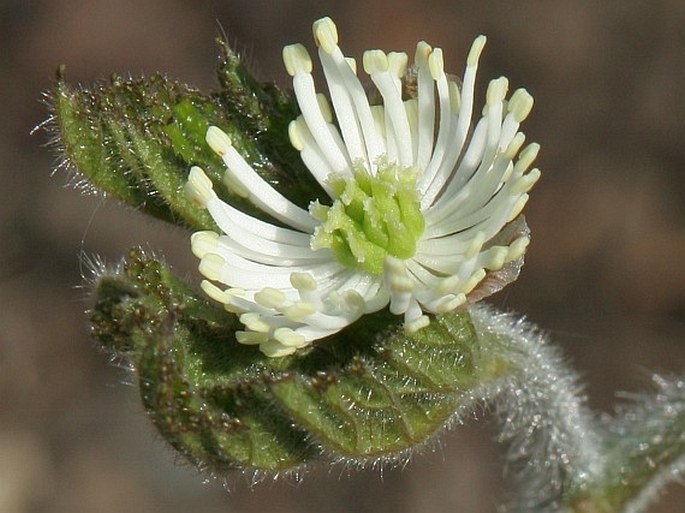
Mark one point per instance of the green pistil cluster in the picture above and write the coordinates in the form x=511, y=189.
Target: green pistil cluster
x=372, y=217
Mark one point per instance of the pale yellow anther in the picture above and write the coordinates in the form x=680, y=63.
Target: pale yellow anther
x=299, y=311
x=303, y=281
x=289, y=337
x=526, y=158
x=475, y=246
x=212, y=266
x=296, y=59
x=199, y=188
x=325, y=107
x=423, y=50
x=218, y=140
x=203, y=242
x=352, y=63
x=269, y=297
x=497, y=256
x=520, y=104
x=447, y=304
x=229, y=304
x=518, y=207
x=295, y=133
x=325, y=34
x=473, y=280
x=251, y=338
x=476, y=50
x=514, y=146
x=526, y=182
x=375, y=61
x=518, y=248
x=397, y=63
x=416, y=324
x=448, y=285
x=497, y=90
x=214, y=292
x=436, y=64
x=455, y=96
x=253, y=321
x=274, y=349
x=353, y=301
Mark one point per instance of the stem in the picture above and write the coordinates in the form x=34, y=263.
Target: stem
x=554, y=452
x=645, y=448
x=562, y=458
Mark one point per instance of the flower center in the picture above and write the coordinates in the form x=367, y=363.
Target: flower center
x=372, y=217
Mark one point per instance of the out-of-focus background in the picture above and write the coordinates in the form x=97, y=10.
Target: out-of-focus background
x=604, y=275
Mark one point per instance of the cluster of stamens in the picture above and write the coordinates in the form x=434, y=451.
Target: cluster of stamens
x=418, y=198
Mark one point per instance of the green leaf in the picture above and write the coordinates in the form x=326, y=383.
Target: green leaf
x=206, y=395
x=225, y=406
x=136, y=139
x=389, y=396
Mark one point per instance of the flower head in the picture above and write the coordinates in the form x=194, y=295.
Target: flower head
x=421, y=209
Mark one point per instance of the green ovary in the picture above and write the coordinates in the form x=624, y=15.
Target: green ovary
x=372, y=217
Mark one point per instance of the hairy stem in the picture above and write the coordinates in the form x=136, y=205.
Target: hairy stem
x=553, y=439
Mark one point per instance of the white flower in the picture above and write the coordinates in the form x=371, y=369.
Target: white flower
x=419, y=200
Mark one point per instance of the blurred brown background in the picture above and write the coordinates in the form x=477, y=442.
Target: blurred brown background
x=604, y=275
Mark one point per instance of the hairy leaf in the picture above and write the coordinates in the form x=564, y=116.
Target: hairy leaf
x=224, y=405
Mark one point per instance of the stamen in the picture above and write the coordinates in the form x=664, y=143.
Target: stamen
x=289, y=338
x=476, y=50
x=297, y=60
x=303, y=281
x=270, y=297
x=325, y=34
x=526, y=182
x=417, y=324
x=251, y=338
x=253, y=322
x=517, y=208
x=204, y=242
x=214, y=292
x=497, y=90
x=415, y=211
x=295, y=135
x=212, y=266
x=375, y=61
x=274, y=349
x=520, y=104
x=518, y=248
x=218, y=140
x=475, y=246
x=299, y=311
x=436, y=64
x=397, y=63
x=473, y=280
x=199, y=187
x=526, y=158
